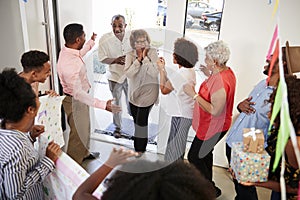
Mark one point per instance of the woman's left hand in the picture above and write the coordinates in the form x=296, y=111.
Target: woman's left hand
x=139, y=53
x=36, y=131
x=145, y=51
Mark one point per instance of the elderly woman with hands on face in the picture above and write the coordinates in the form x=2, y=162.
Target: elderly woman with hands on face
x=213, y=108
x=142, y=73
x=22, y=172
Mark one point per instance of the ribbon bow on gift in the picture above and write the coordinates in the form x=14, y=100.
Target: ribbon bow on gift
x=252, y=133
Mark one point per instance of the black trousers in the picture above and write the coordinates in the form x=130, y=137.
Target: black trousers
x=201, y=155
x=140, y=118
x=242, y=192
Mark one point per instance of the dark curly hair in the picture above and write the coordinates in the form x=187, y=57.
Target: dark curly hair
x=16, y=96
x=185, y=53
x=293, y=85
x=157, y=180
x=71, y=32
x=33, y=60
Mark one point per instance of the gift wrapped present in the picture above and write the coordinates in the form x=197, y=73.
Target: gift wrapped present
x=249, y=167
x=253, y=140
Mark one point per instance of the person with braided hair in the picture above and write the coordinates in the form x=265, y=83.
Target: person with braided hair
x=292, y=171
x=143, y=179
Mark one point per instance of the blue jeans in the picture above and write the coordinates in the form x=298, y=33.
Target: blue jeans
x=116, y=91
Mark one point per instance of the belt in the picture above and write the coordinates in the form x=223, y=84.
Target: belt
x=68, y=95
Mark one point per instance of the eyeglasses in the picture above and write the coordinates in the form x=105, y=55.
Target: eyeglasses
x=140, y=41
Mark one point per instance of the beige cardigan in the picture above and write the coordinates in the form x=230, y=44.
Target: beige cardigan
x=143, y=84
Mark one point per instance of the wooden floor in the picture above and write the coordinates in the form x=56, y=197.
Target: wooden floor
x=221, y=176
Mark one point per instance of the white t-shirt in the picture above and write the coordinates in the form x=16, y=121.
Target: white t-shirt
x=180, y=104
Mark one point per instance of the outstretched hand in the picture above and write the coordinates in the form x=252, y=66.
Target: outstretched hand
x=112, y=107
x=119, y=156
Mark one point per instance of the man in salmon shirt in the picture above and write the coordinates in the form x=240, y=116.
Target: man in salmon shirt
x=73, y=78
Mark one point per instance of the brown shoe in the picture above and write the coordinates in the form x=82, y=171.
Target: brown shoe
x=92, y=155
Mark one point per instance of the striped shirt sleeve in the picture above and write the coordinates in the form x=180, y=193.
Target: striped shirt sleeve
x=23, y=173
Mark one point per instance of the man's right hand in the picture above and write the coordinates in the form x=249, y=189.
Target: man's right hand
x=120, y=60
x=246, y=106
x=112, y=107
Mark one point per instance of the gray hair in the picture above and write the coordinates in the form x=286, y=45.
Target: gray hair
x=218, y=51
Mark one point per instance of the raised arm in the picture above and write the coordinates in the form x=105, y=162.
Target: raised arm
x=86, y=189
x=88, y=45
x=165, y=84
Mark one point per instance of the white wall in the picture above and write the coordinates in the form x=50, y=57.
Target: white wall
x=36, y=32
x=23, y=31
x=35, y=28
x=79, y=11
x=248, y=26
x=11, y=40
